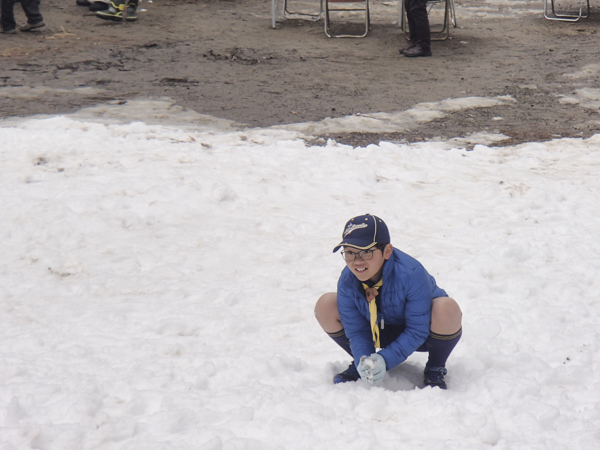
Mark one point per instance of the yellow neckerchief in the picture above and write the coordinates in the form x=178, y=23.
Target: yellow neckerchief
x=371, y=293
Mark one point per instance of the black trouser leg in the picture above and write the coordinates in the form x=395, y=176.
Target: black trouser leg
x=32, y=11
x=8, y=16
x=418, y=22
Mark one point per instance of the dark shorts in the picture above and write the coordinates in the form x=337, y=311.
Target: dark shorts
x=391, y=332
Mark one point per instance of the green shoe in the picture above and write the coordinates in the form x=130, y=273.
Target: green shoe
x=114, y=11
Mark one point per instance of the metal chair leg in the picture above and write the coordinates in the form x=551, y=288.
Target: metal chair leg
x=312, y=16
x=328, y=32
x=553, y=15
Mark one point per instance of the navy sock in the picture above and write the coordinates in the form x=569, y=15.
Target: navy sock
x=440, y=346
x=340, y=338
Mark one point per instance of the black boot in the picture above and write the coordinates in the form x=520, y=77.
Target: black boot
x=98, y=6
x=417, y=50
x=434, y=377
x=132, y=9
x=350, y=374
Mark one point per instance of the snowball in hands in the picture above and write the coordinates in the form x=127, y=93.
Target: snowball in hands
x=372, y=368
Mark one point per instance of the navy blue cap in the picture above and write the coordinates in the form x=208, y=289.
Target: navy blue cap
x=363, y=232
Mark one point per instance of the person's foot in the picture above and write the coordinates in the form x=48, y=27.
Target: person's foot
x=131, y=12
x=98, y=6
x=13, y=31
x=350, y=374
x=114, y=11
x=417, y=50
x=410, y=45
x=31, y=26
x=82, y=2
x=434, y=377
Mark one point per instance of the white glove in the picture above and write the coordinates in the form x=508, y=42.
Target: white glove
x=372, y=368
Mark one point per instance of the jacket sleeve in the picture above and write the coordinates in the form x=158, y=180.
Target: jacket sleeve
x=418, y=288
x=356, y=325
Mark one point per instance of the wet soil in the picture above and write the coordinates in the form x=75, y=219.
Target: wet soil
x=224, y=59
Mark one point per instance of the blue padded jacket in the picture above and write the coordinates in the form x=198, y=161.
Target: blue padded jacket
x=404, y=301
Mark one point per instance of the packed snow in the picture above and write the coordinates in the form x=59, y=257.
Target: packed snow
x=159, y=278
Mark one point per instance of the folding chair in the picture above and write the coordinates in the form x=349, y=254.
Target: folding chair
x=436, y=34
x=552, y=15
x=347, y=6
x=287, y=14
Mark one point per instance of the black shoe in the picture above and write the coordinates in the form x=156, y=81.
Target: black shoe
x=350, y=374
x=98, y=6
x=131, y=12
x=82, y=2
x=417, y=50
x=434, y=377
x=410, y=45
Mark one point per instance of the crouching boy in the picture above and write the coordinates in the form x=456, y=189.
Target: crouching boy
x=387, y=307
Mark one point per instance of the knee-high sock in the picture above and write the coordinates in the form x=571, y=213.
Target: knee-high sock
x=340, y=338
x=440, y=346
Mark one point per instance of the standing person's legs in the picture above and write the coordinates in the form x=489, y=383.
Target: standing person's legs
x=7, y=16
x=34, y=17
x=411, y=22
x=418, y=22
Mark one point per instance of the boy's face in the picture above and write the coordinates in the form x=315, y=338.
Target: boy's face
x=368, y=269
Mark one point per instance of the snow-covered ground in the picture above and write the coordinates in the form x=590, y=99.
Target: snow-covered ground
x=158, y=280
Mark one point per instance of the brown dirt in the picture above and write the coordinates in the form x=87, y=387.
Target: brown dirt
x=222, y=58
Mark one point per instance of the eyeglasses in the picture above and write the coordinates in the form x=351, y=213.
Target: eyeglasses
x=363, y=254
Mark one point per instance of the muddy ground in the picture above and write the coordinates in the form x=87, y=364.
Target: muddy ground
x=222, y=58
